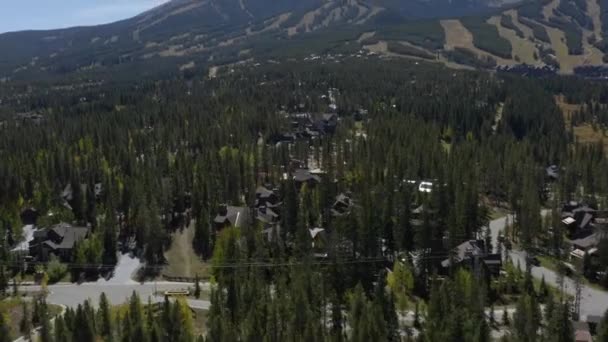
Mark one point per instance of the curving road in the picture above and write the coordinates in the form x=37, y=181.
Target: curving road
x=593, y=301
x=119, y=289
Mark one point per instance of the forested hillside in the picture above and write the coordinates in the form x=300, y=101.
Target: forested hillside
x=144, y=160
x=195, y=35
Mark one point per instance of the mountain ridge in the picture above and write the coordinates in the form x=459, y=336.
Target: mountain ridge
x=197, y=32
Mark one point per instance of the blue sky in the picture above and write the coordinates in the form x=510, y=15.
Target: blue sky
x=16, y=15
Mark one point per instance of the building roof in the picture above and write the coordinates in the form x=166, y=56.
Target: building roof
x=263, y=192
x=236, y=216
x=304, y=175
x=568, y=220
x=464, y=250
x=266, y=215
x=587, y=218
x=553, y=171
x=329, y=116
x=68, y=235
x=589, y=241
x=314, y=232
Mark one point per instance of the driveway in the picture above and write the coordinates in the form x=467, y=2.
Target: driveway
x=593, y=302
x=123, y=272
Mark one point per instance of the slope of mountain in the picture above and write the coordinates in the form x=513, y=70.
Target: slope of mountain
x=186, y=33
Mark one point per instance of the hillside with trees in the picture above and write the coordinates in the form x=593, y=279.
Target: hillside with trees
x=329, y=199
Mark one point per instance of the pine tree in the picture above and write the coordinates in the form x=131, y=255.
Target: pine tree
x=505, y=318
x=105, y=319
x=3, y=281
x=15, y=288
x=202, y=235
x=197, y=287
x=110, y=245
x=25, y=326
x=183, y=318
x=5, y=335
x=45, y=334
x=602, y=329
x=559, y=327
x=543, y=290
x=82, y=327
x=60, y=330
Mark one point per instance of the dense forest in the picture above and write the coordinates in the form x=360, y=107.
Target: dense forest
x=142, y=161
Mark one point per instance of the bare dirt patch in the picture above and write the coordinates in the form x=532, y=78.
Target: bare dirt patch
x=182, y=261
x=366, y=35
x=379, y=47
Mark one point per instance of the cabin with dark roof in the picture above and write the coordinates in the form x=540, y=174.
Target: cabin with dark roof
x=471, y=254
x=266, y=198
x=59, y=240
x=301, y=176
x=231, y=216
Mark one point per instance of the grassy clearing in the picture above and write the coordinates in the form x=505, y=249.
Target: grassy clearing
x=182, y=261
x=583, y=133
x=586, y=134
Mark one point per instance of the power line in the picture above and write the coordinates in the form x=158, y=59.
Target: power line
x=236, y=263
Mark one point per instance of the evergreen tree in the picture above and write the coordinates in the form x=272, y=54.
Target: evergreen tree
x=526, y=320
x=105, y=319
x=25, y=326
x=61, y=332
x=602, y=329
x=559, y=326
x=3, y=281
x=110, y=245
x=46, y=333
x=15, y=287
x=202, y=235
x=5, y=335
x=197, y=287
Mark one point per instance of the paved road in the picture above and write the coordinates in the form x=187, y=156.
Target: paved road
x=593, y=302
x=70, y=295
